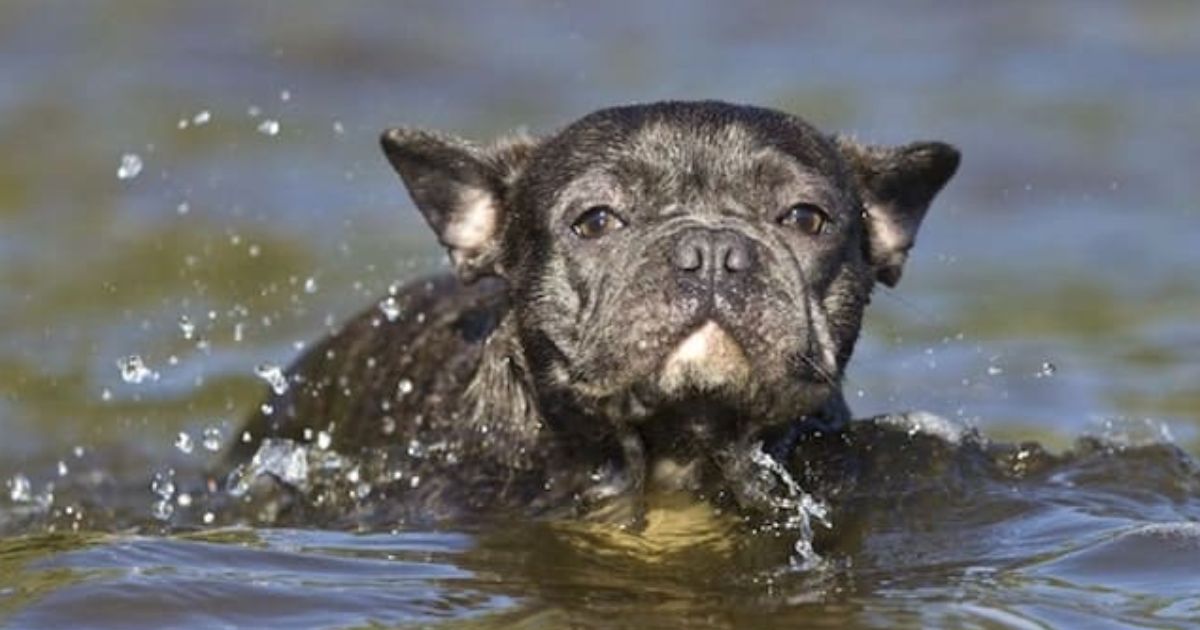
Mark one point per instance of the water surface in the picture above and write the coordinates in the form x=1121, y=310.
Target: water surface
x=199, y=185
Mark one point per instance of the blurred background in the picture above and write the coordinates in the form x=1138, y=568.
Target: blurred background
x=199, y=184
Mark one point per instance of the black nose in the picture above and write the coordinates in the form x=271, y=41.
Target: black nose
x=713, y=253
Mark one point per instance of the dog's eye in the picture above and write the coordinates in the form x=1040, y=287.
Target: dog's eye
x=596, y=222
x=805, y=217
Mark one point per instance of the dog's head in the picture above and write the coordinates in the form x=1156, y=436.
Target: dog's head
x=667, y=255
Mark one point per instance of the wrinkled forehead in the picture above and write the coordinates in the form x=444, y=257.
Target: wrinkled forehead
x=684, y=158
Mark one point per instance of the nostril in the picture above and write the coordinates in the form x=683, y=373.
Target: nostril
x=737, y=258
x=688, y=256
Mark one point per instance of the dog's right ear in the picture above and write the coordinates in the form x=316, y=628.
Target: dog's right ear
x=898, y=184
x=461, y=189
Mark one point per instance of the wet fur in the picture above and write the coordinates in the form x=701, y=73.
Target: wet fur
x=535, y=371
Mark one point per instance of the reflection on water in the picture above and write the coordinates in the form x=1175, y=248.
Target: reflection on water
x=190, y=192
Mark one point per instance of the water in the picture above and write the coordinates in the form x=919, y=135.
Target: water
x=191, y=199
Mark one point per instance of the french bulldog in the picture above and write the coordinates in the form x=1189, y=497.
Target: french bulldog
x=637, y=299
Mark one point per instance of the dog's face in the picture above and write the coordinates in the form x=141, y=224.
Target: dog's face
x=678, y=255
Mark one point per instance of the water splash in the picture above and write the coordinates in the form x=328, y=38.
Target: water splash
x=797, y=507
x=19, y=489
x=274, y=377
x=1123, y=432
x=923, y=422
x=390, y=308
x=283, y=459
x=269, y=127
x=300, y=466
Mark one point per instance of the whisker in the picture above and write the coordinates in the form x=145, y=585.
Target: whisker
x=913, y=307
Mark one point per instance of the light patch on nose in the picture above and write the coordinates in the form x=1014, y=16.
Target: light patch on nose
x=708, y=359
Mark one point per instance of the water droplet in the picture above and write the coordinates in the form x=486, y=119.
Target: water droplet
x=184, y=499
x=186, y=326
x=106, y=394
x=131, y=166
x=253, y=111
x=133, y=369
x=266, y=409
x=183, y=442
x=338, y=128
x=388, y=425
x=211, y=438
x=273, y=375
x=269, y=127
x=995, y=370
x=310, y=285
x=162, y=509
x=202, y=117
x=404, y=387
x=77, y=451
x=63, y=470
x=324, y=440
x=1046, y=370
x=415, y=481
x=285, y=95
x=390, y=308
x=163, y=484
x=209, y=517
x=183, y=208
x=254, y=250
x=19, y=489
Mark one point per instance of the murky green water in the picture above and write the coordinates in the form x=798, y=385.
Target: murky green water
x=1053, y=295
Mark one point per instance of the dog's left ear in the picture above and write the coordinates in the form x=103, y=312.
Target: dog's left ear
x=897, y=185
x=461, y=189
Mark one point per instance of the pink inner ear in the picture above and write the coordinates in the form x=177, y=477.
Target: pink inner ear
x=474, y=221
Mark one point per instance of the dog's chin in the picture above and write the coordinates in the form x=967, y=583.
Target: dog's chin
x=708, y=360
x=706, y=370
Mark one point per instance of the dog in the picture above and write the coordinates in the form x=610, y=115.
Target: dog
x=637, y=300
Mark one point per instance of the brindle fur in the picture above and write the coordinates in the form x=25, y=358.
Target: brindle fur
x=535, y=371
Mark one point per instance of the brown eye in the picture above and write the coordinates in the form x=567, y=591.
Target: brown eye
x=805, y=217
x=596, y=222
